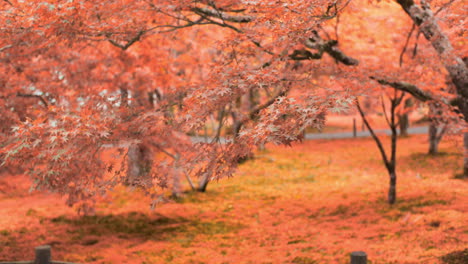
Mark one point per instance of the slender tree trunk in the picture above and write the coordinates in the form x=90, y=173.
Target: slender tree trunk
x=465, y=159
x=392, y=187
x=404, y=124
x=138, y=164
x=203, y=183
x=390, y=163
x=404, y=118
x=176, y=187
x=433, y=139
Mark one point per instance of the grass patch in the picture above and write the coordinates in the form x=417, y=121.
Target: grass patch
x=296, y=241
x=410, y=205
x=456, y=257
x=303, y=260
x=136, y=224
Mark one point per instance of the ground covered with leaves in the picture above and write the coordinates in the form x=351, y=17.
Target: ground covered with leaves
x=314, y=202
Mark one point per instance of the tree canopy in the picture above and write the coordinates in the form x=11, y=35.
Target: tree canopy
x=80, y=77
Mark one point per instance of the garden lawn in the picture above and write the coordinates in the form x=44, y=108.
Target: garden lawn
x=314, y=202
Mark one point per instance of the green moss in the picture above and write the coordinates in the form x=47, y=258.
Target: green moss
x=340, y=210
x=296, y=241
x=410, y=205
x=303, y=260
x=137, y=224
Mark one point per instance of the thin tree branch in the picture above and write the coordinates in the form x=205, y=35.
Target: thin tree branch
x=187, y=176
x=443, y=7
x=393, y=127
x=129, y=43
x=6, y=47
x=34, y=96
x=406, y=87
x=220, y=125
x=222, y=15
x=384, y=110
x=374, y=136
x=406, y=43
x=442, y=132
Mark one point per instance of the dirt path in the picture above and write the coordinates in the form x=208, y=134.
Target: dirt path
x=412, y=131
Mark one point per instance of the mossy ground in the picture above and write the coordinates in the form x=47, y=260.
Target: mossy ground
x=314, y=202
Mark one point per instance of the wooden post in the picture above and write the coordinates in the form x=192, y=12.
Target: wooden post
x=358, y=257
x=43, y=255
x=354, y=127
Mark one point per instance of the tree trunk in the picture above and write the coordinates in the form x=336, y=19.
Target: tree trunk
x=176, y=188
x=404, y=125
x=427, y=22
x=203, y=183
x=433, y=139
x=465, y=158
x=138, y=164
x=404, y=118
x=392, y=187
x=423, y=16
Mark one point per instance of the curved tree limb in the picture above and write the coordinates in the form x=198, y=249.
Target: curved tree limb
x=423, y=17
x=407, y=87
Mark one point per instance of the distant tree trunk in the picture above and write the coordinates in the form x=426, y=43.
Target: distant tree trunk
x=390, y=162
x=404, y=118
x=139, y=164
x=433, y=142
x=203, y=183
x=435, y=136
x=465, y=159
x=392, y=187
x=176, y=185
x=404, y=124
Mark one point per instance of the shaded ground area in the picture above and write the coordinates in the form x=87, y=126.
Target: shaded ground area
x=311, y=203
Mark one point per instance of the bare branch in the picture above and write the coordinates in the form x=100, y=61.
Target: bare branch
x=220, y=125
x=254, y=112
x=129, y=43
x=374, y=136
x=385, y=110
x=406, y=43
x=5, y=47
x=330, y=47
x=222, y=15
x=406, y=87
x=443, y=7
x=187, y=176
x=34, y=96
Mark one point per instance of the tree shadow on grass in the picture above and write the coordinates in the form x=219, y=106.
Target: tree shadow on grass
x=64, y=233
x=456, y=257
x=142, y=226
x=438, y=163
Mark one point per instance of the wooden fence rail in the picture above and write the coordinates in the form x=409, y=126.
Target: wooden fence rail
x=44, y=256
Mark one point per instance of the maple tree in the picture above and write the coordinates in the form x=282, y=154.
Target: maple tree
x=91, y=68
x=142, y=76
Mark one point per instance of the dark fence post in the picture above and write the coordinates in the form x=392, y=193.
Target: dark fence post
x=358, y=257
x=354, y=127
x=43, y=255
